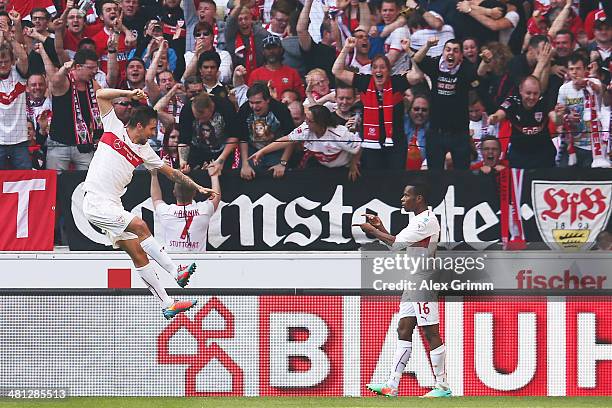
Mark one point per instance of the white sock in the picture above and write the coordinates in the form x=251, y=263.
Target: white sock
x=438, y=357
x=155, y=251
x=147, y=273
x=403, y=349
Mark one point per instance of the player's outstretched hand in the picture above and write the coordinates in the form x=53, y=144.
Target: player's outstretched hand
x=373, y=220
x=365, y=227
x=207, y=191
x=137, y=94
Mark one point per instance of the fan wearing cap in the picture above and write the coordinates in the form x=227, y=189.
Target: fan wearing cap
x=244, y=39
x=280, y=77
x=603, y=40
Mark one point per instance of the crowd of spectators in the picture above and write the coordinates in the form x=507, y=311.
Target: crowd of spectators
x=257, y=86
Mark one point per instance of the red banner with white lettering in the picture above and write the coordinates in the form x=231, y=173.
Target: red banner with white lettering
x=27, y=210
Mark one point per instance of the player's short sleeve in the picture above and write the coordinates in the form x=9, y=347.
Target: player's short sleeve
x=151, y=159
x=416, y=231
x=111, y=123
x=162, y=208
x=206, y=207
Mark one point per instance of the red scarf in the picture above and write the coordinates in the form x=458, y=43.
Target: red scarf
x=241, y=51
x=81, y=129
x=414, y=158
x=510, y=188
x=371, y=107
x=599, y=158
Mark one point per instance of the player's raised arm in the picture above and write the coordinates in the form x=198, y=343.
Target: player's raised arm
x=178, y=177
x=156, y=194
x=105, y=97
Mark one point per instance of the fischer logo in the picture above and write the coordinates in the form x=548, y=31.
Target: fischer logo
x=570, y=214
x=526, y=279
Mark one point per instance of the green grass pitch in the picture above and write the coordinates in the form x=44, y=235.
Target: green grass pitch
x=298, y=402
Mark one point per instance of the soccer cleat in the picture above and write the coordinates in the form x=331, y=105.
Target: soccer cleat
x=179, y=306
x=438, y=392
x=184, y=273
x=382, y=389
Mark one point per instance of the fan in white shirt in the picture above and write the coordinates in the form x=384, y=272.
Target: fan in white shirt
x=120, y=151
x=184, y=225
x=331, y=146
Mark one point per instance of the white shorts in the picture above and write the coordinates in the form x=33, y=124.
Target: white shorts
x=426, y=313
x=111, y=217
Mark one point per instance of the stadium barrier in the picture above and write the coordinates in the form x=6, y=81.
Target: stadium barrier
x=315, y=209
x=85, y=322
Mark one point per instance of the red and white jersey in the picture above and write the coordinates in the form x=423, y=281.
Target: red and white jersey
x=423, y=231
x=113, y=164
x=184, y=228
x=35, y=110
x=13, y=118
x=333, y=149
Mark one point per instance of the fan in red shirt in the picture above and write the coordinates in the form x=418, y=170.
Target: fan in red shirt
x=111, y=16
x=279, y=76
x=491, y=162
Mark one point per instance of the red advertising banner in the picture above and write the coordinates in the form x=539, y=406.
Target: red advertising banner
x=27, y=210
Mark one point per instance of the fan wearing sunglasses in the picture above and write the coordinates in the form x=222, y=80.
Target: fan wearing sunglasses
x=204, y=43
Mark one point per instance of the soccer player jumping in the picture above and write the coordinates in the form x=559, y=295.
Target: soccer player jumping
x=120, y=150
x=421, y=235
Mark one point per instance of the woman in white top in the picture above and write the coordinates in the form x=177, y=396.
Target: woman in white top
x=330, y=144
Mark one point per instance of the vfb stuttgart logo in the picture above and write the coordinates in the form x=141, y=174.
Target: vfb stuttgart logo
x=570, y=214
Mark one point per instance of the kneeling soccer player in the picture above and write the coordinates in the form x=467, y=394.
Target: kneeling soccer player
x=420, y=236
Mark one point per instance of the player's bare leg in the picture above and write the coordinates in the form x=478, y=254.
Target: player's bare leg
x=150, y=245
x=403, y=350
x=437, y=356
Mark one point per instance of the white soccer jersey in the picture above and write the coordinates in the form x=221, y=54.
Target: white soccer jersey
x=113, y=164
x=423, y=231
x=184, y=228
x=13, y=127
x=333, y=149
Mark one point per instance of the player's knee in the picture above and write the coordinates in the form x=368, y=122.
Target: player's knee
x=432, y=336
x=404, y=333
x=140, y=228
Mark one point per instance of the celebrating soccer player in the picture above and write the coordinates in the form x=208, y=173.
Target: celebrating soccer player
x=120, y=150
x=419, y=237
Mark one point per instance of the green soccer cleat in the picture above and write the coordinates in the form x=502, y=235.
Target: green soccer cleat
x=382, y=389
x=184, y=273
x=438, y=392
x=179, y=306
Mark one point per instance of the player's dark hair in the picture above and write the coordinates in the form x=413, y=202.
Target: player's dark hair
x=420, y=189
x=142, y=114
x=259, y=87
